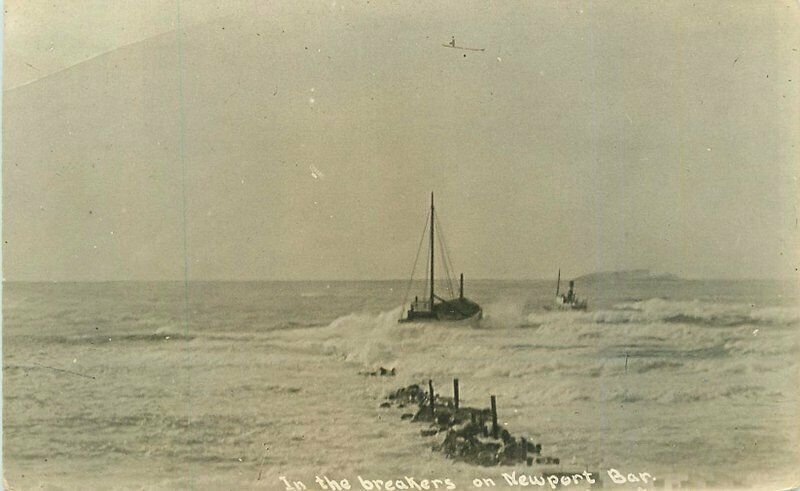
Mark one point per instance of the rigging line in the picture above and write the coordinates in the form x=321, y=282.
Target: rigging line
x=449, y=283
x=416, y=259
x=452, y=269
x=450, y=261
x=443, y=263
x=447, y=272
x=446, y=258
x=427, y=271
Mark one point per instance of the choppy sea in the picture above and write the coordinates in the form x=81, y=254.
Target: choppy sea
x=137, y=385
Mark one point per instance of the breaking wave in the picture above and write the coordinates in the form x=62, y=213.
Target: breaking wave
x=697, y=312
x=661, y=311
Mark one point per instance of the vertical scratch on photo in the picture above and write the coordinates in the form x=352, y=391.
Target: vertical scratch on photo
x=263, y=458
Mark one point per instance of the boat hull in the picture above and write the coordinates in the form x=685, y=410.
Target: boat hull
x=454, y=310
x=562, y=304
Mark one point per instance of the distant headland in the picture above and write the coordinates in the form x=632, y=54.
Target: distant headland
x=628, y=275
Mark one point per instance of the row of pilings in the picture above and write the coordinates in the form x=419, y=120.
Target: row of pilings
x=471, y=435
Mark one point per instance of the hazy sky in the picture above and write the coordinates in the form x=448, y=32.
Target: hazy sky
x=301, y=140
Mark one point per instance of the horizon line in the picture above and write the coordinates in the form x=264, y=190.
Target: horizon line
x=352, y=280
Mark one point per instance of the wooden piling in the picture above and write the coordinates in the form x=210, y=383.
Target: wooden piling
x=455, y=392
x=430, y=388
x=494, y=417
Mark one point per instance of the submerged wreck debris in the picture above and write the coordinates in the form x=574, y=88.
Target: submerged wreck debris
x=470, y=435
x=381, y=372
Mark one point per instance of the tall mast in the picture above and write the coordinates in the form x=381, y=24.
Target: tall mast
x=558, y=283
x=432, y=251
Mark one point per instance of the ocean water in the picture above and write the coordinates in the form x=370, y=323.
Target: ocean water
x=233, y=385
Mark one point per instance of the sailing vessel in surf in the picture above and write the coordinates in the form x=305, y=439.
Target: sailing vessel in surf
x=433, y=307
x=569, y=301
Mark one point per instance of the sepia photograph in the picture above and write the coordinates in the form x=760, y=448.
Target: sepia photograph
x=364, y=245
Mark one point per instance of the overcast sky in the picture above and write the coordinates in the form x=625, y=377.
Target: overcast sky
x=301, y=140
